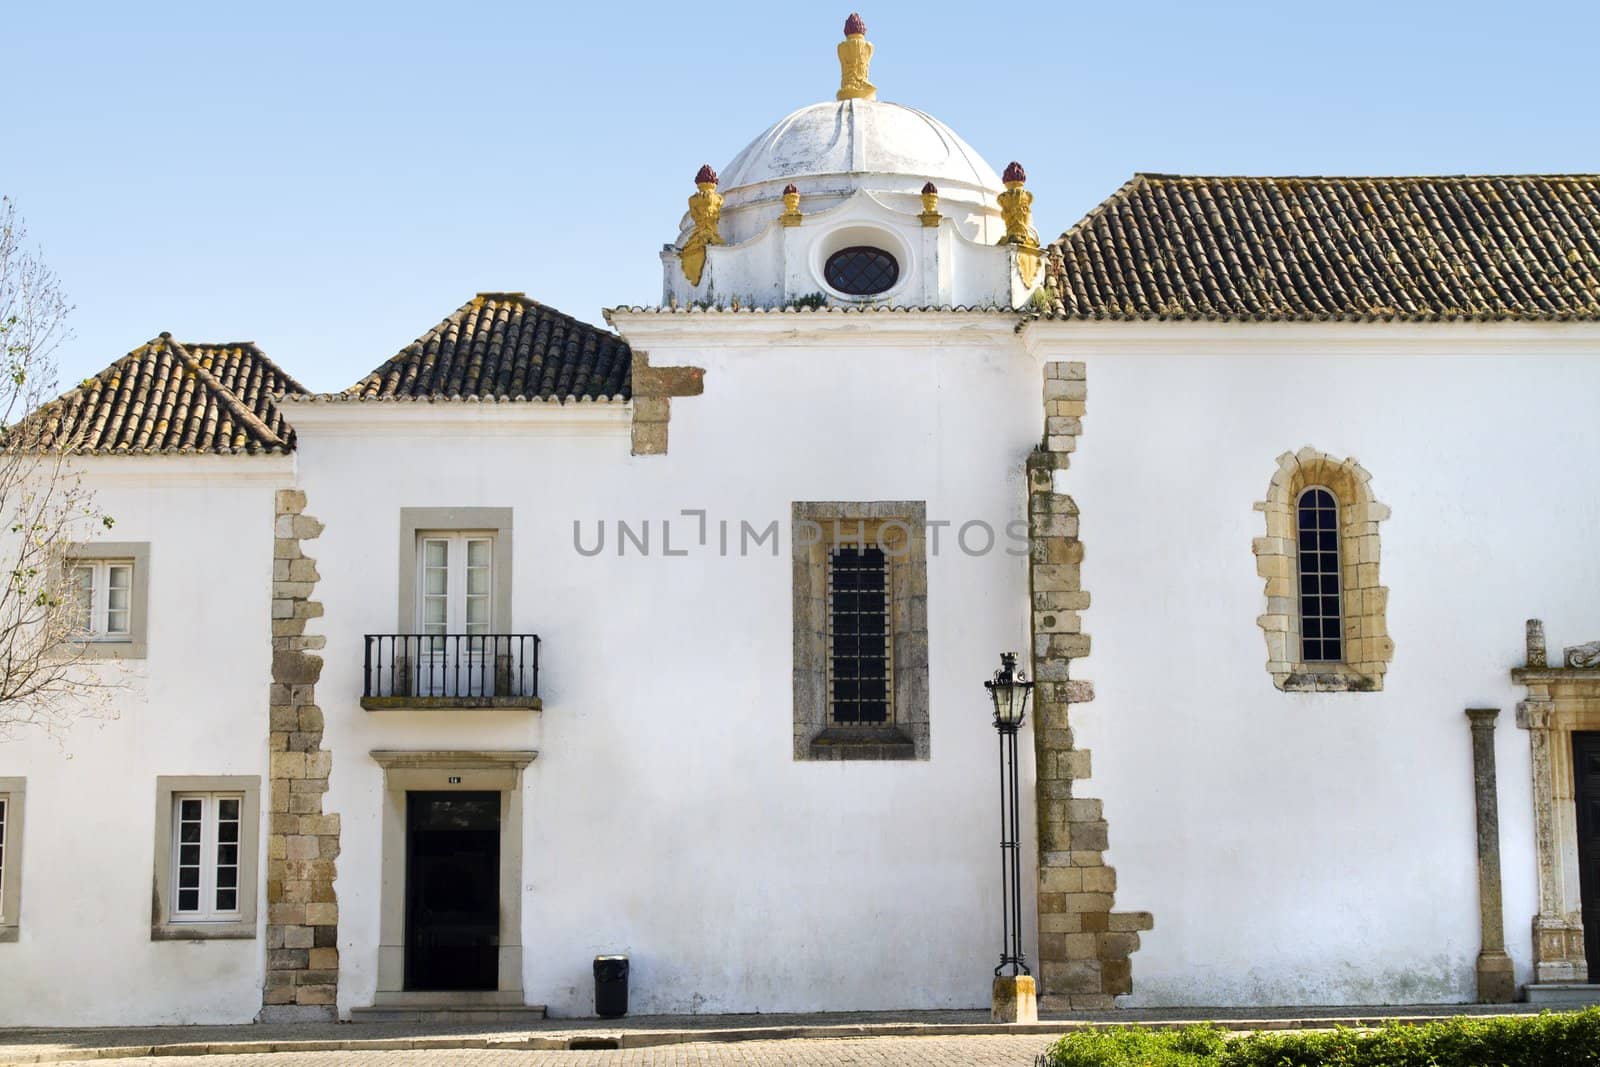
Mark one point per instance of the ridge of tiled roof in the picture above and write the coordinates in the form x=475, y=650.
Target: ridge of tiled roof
x=166, y=397
x=1481, y=248
x=826, y=309
x=504, y=346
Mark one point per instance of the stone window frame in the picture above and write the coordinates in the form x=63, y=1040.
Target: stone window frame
x=14, y=792
x=136, y=644
x=842, y=522
x=162, y=926
x=417, y=521
x=435, y=771
x=1368, y=649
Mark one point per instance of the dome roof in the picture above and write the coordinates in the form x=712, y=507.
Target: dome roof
x=860, y=137
x=833, y=150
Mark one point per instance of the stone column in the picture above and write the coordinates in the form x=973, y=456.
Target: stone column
x=1496, y=983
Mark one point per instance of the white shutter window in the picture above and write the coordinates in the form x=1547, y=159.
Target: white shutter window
x=455, y=582
x=435, y=599
x=100, y=600
x=119, y=599
x=479, y=550
x=205, y=856
x=5, y=810
x=82, y=594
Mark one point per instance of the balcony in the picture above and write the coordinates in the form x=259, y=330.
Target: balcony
x=417, y=672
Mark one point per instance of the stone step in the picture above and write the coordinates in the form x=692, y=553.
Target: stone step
x=1563, y=993
x=449, y=1008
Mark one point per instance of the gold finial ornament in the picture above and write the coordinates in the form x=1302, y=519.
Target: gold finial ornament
x=705, y=210
x=791, y=206
x=930, y=206
x=855, y=56
x=1016, y=208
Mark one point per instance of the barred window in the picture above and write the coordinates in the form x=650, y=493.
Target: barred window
x=1321, y=613
x=859, y=660
x=862, y=271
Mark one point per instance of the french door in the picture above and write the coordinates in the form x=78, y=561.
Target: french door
x=455, y=580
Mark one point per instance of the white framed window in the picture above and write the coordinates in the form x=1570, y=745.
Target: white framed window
x=455, y=583
x=207, y=834
x=205, y=856
x=4, y=805
x=105, y=599
x=102, y=599
x=12, y=792
x=444, y=554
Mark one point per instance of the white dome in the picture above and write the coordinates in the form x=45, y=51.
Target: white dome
x=860, y=137
x=834, y=149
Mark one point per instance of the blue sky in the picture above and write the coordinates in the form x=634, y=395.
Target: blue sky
x=331, y=179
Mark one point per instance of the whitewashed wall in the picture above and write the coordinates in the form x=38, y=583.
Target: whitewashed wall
x=1319, y=848
x=196, y=706
x=1294, y=848
x=665, y=816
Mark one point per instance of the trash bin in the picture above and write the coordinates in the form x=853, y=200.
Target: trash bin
x=610, y=986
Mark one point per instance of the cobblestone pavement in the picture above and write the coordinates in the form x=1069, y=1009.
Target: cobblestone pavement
x=978, y=1051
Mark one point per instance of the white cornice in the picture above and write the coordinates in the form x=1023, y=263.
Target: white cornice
x=1053, y=338
x=645, y=329
x=221, y=471
x=457, y=418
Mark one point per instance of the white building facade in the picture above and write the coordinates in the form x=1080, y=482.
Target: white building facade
x=547, y=641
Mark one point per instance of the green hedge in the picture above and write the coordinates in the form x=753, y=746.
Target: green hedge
x=1569, y=1039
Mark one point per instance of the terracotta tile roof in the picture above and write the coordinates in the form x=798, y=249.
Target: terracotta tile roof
x=169, y=397
x=503, y=346
x=1404, y=249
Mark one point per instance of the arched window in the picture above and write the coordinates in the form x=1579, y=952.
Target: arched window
x=1317, y=546
x=1325, y=624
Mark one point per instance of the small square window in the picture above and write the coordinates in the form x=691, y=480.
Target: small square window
x=101, y=600
x=104, y=599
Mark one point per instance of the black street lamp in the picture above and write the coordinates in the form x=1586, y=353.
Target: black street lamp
x=1009, y=690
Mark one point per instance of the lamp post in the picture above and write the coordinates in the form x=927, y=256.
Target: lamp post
x=1014, y=995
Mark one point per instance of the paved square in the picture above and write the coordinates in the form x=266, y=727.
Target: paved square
x=977, y=1051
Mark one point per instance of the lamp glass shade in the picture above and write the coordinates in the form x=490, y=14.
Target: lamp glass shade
x=1009, y=691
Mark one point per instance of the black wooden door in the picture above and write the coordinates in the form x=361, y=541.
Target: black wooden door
x=1586, y=778
x=452, y=890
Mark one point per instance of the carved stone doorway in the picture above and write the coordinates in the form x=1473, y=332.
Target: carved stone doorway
x=1562, y=701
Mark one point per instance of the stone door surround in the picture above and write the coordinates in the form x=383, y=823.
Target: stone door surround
x=440, y=771
x=1561, y=701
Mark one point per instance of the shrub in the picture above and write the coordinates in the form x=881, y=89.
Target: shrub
x=1570, y=1039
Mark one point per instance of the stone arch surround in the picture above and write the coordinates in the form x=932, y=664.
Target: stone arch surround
x=1368, y=646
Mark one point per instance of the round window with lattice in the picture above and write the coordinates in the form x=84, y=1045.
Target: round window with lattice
x=861, y=271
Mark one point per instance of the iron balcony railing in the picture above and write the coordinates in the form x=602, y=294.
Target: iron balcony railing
x=450, y=670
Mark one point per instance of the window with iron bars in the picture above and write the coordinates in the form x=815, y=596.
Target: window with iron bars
x=860, y=657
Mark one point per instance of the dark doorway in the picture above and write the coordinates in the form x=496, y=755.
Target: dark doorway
x=452, y=890
x=1586, y=782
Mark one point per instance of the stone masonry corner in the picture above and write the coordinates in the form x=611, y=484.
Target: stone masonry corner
x=1084, y=946
x=653, y=390
x=302, y=840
